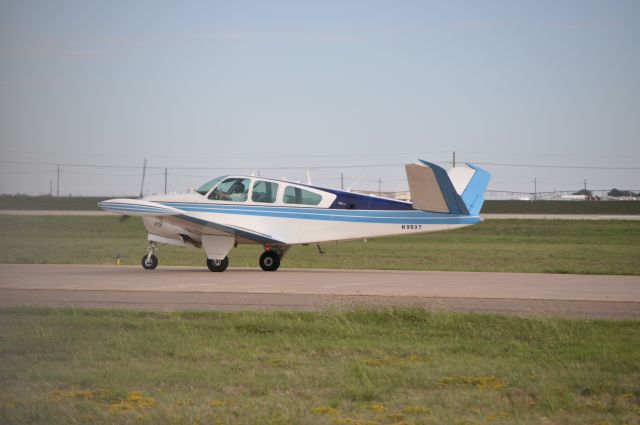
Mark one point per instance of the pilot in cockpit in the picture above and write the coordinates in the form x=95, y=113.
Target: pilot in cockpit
x=237, y=192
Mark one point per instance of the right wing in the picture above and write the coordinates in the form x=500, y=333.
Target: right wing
x=138, y=208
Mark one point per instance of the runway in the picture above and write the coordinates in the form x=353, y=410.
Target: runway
x=192, y=288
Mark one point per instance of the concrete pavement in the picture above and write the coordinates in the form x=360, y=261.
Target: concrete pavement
x=170, y=288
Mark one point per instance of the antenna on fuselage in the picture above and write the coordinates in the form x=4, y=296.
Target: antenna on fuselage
x=256, y=171
x=354, y=183
x=144, y=172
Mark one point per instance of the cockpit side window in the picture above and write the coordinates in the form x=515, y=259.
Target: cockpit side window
x=264, y=191
x=205, y=188
x=233, y=189
x=295, y=195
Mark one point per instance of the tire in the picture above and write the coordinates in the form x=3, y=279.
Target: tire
x=269, y=261
x=218, y=265
x=151, y=264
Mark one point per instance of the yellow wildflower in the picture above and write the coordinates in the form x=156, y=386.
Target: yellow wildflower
x=377, y=407
x=417, y=410
x=134, y=400
x=324, y=410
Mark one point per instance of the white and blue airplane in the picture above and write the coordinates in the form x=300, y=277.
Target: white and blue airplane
x=278, y=214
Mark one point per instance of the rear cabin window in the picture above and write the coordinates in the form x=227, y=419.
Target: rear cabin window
x=264, y=191
x=295, y=195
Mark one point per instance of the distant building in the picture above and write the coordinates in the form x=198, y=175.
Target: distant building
x=573, y=197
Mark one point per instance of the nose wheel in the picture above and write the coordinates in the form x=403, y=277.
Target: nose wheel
x=269, y=261
x=149, y=262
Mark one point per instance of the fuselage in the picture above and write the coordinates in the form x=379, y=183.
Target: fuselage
x=277, y=214
x=323, y=215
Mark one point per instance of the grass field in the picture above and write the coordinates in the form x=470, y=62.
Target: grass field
x=359, y=367
x=540, y=246
x=504, y=207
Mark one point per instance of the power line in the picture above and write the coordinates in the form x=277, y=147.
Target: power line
x=577, y=155
x=354, y=155
x=583, y=167
x=498, y=164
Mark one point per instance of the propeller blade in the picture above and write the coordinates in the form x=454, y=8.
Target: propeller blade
x=144, y=172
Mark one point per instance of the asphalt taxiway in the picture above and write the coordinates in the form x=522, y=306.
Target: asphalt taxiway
x=193, y=288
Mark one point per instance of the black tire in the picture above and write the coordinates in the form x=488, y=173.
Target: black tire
x=269, y=261
x=218, y=265
x=151, y=263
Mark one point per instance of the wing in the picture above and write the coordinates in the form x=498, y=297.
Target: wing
x=142, y=208
x=138, y=208
x=240, y=232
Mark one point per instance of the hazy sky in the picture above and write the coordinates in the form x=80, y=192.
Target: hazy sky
x=266, y=84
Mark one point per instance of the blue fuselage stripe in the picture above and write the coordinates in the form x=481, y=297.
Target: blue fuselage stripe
x=355, y=216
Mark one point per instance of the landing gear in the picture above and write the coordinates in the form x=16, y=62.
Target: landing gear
x=269, y=261
x=218, y=265
x=150, y=261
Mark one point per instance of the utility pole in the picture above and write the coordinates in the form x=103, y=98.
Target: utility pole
x=379, y=186
x=50, y=187
x=454, y=158
x=535, y=188
x=342, y=181
x=585, y=185
x=165, y=180
x=58, y=183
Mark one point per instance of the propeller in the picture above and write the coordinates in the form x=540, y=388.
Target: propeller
x=144, y=172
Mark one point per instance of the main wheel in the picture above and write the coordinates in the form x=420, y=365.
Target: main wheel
x=218, y=265
x=150, y=263
x=269, y=261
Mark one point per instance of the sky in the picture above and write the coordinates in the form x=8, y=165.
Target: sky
x=549, y=89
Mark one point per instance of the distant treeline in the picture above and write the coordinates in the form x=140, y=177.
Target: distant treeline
x=23, y=202
x=75, y=203
x=562, y=207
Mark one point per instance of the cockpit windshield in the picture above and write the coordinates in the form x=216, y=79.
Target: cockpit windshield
x=205, y=188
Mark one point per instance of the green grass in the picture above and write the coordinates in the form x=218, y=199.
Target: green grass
x=365, y=366
x=21, y=202
x=539, y=246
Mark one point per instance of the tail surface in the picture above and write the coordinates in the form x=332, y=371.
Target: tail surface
x=470, y=183
x=459, y=191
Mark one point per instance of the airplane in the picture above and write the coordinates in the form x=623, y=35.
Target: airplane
x=239, y=209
